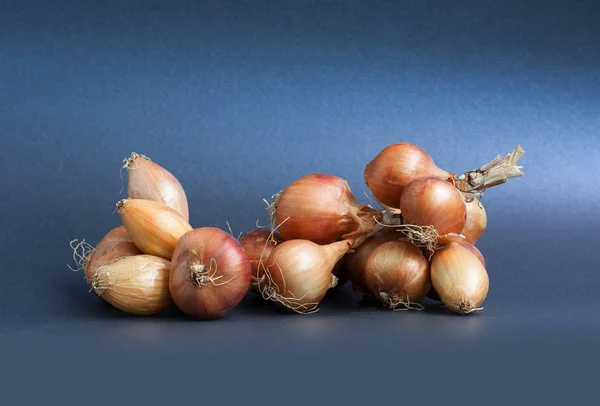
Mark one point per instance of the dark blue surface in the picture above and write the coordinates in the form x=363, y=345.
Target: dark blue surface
x=238, y=99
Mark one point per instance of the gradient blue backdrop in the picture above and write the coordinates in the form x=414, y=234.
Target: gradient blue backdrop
x=238, y=99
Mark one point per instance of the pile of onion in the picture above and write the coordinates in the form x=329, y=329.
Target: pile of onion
x=417, y=242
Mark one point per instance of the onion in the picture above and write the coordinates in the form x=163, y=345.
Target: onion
x=322, y=209
x=150, y=181
x=459, y=278
x=445, y=240
x=258, y=245
x=137, y=284
x=210, y=273
x=299, y=273
x=476, y=221
x=434, y=202
x=153, y=227
x=355, y=263
x=395, y=167
x=115, y=244
x=397, y=274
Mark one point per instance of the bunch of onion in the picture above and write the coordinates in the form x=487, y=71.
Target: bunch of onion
x=130, y=266
x=322, y=209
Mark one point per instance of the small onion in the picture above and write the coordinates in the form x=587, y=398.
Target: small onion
x=115, y=244
x=395, y=167
x=210, y=273
x=355, y=263
x=258, y=245
x=476, y=221
x=459, y=278
x=322, y=209
x=136, y=284
x=299, y=273
x=154, y=228
x=397, y=274
x=445, y=240
x=150, y=181
x=434, y=202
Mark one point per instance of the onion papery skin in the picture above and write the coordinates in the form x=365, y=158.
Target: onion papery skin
x=299, y=273
x=459, y=278
x=115, y=244
x=321, y=208
x=150, y=181
x=434, y=202
x=211, y=273
x=395, y=167
x=397, y=273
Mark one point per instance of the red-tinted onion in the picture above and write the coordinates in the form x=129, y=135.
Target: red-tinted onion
x=210, y=273
x=322, y=209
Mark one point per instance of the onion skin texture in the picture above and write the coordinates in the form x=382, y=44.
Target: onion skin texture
x=355, y=264
x=395, y=167
x=476, y=221
x=258, y=245
x=299, y=273
x=136, y=284
x=150, y=181
x=321, y=208
x=459, y=278
x=115, y=244
x=153, y=227
x=434, y=202
x=397, y=273
x=210, y=273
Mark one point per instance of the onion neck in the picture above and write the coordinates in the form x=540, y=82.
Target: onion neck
x=366, y=219
x=337, y=250
x=496, y=172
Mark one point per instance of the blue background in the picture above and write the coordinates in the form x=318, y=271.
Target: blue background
x=238, y=99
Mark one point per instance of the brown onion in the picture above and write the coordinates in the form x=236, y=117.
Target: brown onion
x=476, y=221
x=299, y=273
x=445, y=240
x=153, y=227
x=150, y=181
x=434, y=202
x=137, y=284
x=397, y=274
x=115, y=244
x=210, y=273
x=459, y=278
x=322, y=209
x=258, y=245
x=395, y=167
x=355, y=263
